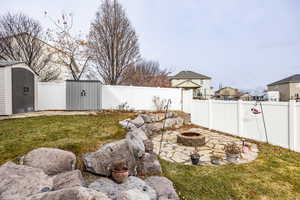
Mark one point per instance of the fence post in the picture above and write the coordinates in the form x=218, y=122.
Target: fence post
x=210, y=114
x=240, y=113
x=292, y=124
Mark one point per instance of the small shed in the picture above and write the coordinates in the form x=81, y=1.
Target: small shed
x=18, y=88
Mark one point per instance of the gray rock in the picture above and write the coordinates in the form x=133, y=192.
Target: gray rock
x=52, y=161
x=159, y=117
x=133, y=187
x=186, y=118
x=179, y=122
x=100, y=162
x=148, y=118
x=127, y=124
x=163, y=187
x=75, y=193
x=155, y=127
x=148, y=130
x=135, y=140
x=170, y=122
x=171, y=115
x=149, y=165
x=133, y=194
x=138, y=121
x=149, y=146
x=18, y=181
x=68, y=180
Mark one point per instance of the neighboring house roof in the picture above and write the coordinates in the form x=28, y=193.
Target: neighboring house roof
x=189, y=75
x=292, y=79
x=4, y=63
x=226, y=88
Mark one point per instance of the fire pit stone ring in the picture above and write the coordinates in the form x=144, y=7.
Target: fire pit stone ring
x=191, y=139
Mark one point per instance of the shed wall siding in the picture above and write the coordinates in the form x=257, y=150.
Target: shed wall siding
x=5, y=91
x=2, y=92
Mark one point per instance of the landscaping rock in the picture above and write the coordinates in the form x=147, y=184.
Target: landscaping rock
x=68, y=180
x=155, y=127
x=170, y=122
x=149, y=146
x=171, y=115
x=133, y=194
x=163, y=187
x=75, y=193
x=148, y=118
x=100, y=162
x=18, y=181
x=159, y=117
x=127, y=124
x=138, y=121
x=132, y=187
x=186, y=118
x=149, y=165
x=52, y=161
x=135, y=140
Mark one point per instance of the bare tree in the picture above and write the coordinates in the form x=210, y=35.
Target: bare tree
x=71, y=48
x=147, y=73
x=113, y=42
x=20, y=41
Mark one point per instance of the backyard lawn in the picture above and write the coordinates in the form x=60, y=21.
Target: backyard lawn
x=274, y=175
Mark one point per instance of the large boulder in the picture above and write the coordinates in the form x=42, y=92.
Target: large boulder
x=155, y=127
x=163, y=187
x=68, y=180
x=149, y=165
x=133, y=194
x=100, y=162
x=135, y=140
x=52, y=161
x=75, y=193
x=18, y=181
x=138, y=121
x=171, y=122
x=148, y=118
x=127, y=124
x=132, y=187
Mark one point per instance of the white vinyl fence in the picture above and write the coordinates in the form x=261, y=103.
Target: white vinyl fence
x=52, y=96
x=138, y=98
x=282, y=120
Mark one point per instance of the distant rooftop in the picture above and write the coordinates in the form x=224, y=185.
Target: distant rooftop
x=4, y=63
x=292, y=79
x=189, y=75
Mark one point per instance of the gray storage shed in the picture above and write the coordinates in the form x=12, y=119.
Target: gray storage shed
x=83, y=95
x=18, y=88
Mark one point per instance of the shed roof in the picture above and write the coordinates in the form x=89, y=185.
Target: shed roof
x=291, y=79
x=189, y=75
x=4, y=63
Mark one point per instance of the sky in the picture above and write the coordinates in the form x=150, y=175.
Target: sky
x=245, y=44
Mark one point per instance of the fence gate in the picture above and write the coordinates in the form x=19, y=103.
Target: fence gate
x=83, y=95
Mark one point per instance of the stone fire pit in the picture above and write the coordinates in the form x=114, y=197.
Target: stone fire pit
x=192, y=139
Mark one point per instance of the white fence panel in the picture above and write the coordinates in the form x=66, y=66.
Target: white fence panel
x=282, y=120
x=51, y=96
x=276, y=121
x=138, y=98
x=297, y=135
x=200, y=113
x=187, y=97
x=224, y=115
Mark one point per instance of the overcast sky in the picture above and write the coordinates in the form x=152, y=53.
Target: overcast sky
x=239, y=43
